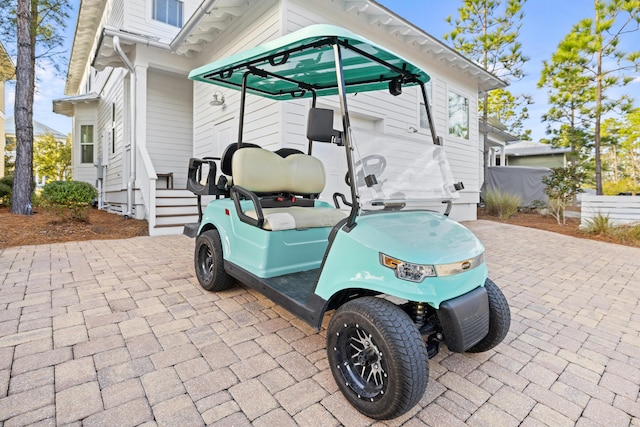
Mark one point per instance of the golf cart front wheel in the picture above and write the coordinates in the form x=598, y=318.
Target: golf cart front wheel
x=377, y=357
x=209, y=263
x=499, y=319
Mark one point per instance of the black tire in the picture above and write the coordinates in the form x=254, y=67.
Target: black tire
x=377, y=357
x=499, y=319
x=209, y=263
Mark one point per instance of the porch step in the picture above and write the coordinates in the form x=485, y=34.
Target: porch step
x=166, y=230
x=174, y=209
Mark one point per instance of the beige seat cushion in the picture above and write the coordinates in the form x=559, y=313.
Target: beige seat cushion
x=298, y=217
x=263, y=171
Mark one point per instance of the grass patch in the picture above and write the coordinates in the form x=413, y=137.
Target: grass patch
x=601, y=225
x=502, y=205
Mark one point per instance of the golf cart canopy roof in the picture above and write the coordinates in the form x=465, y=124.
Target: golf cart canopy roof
x=303, y=62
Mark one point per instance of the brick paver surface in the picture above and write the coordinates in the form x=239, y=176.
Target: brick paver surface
x=120, y=333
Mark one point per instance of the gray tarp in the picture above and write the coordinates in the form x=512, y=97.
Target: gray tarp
x=524, y=181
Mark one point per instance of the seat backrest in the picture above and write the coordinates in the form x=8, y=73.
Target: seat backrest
x=227, y=156
x=264, y=172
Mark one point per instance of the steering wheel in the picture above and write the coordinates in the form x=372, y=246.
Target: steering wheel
x=374, y=164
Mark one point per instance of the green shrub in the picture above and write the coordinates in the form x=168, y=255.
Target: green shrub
x=561, y=186
x=6, y=189
x=69, y=198
x=625, y=185
x=502, y=205
x=599, y=224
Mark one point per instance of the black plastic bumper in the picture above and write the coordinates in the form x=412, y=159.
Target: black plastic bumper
x=465, y=319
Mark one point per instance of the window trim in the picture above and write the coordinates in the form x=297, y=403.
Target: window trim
x=82, y=144
x=152, y=7
x=468, y=98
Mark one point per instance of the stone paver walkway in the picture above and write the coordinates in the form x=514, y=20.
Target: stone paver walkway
x=119, y=333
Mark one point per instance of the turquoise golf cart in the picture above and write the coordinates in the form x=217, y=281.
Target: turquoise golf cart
x=401, y=277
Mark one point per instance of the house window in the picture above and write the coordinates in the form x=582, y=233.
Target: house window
x=458, y=115
x=168, y=11
x=424, y=123
x=86, y=144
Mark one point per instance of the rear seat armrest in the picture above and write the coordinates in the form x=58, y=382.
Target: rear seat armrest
x=236, y=193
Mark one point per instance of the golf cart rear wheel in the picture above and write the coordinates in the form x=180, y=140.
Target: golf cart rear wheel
x=377, y=357
x=209, y=263
x=499, y=319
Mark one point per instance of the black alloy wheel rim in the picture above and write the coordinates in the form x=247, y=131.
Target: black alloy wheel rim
x=205, y=262
x=361, y=362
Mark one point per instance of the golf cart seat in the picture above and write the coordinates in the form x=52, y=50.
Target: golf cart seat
x=282, y=190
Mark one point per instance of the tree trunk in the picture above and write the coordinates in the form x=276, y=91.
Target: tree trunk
x=23, y=109
x=598, y=115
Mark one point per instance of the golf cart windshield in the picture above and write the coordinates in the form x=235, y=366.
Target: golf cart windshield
x=396, y=172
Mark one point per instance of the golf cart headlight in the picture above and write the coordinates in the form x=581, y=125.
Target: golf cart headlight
x=407, y=270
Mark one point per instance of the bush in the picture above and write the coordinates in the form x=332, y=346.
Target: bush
x=71, y=198
x=6, y=189
x=625, y=185
x=502, y=205
x=561, y=187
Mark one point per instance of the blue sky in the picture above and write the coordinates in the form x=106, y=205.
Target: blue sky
x=546, y=22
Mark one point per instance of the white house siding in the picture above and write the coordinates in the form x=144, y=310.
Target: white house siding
x=138, y=19
x=113, y=95
x=262, y=121
x=169, y=124
x=115, y=13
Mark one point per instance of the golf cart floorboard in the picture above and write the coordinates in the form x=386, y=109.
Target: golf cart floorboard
x=294, y=291
x=295, y=285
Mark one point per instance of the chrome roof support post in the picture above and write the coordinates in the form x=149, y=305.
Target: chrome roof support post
x=346, y=137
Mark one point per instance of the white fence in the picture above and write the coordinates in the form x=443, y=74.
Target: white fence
x=620, y=209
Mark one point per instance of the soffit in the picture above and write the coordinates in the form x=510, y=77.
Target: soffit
x=66, y=106
x=89, y=17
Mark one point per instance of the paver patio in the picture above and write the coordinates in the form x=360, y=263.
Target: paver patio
x=120, y=333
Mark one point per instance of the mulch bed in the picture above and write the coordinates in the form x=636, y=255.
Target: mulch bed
x=548, y=223
x=45, y=227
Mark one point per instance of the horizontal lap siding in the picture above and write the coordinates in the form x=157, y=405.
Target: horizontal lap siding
x=619, y=209
x=262, y=120
x=113, y=94
x=169, y=125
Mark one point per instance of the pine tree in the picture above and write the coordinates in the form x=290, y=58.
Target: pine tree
x=37, y=28
x=592, y=55
x=487, y=32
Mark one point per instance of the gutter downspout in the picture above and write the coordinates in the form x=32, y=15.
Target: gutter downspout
x=133, y=82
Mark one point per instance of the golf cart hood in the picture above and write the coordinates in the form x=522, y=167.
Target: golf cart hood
x=419, y=237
